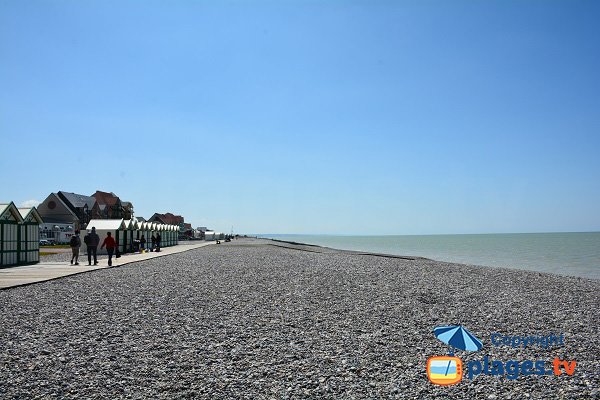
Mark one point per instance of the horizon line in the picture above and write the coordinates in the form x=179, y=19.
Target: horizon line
x=415, y=234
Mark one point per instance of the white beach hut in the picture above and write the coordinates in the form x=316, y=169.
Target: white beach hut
x=209, y=235
x=115, y=226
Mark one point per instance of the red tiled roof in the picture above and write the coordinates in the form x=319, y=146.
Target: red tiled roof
x=168, y=218
x=106, y=198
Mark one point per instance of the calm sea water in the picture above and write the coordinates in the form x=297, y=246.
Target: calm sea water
x=576, y=254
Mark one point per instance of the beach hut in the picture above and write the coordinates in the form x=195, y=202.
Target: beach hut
x=209, y=235
x=126, y=236
x=143, y=230
x=129, y=235
x=161, y=231
x=135, y=234
x=168, y=230
x=29, y=236
x=150, y=226
x=115, y=226
x=10, y=218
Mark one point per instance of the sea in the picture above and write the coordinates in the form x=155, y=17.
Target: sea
x=574, y=254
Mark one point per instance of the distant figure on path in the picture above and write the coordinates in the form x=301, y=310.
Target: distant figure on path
x=75, y=244
x=142, y=243
x=111, y=245
x=153, y=238
x=92, y=240
x=158, y=239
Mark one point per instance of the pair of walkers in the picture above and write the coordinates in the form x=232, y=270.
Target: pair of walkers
x=155, y=242
x=92, y=240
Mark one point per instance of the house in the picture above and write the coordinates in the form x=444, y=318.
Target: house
x=111, y=206
x=84, y=207
x=127, y=209
x=167, y=218
x=63, y=213
x=54, y=210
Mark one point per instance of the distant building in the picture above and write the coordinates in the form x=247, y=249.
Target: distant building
x=127, y=209
x=167, y=218
x=54, y=210
x=84, y=207
x=111, y=206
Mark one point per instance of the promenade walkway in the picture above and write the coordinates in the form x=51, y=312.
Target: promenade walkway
x=45, y=271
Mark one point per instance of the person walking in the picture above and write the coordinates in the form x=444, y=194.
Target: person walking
x=153, y=238
x=158, y=239
x=92, y=240
x=75, y=244
x=111, y=245
x=143, y=243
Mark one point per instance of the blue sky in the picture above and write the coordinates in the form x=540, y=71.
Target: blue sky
x=372, y=117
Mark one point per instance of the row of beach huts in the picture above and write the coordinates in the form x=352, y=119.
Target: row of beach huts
x=20, y=234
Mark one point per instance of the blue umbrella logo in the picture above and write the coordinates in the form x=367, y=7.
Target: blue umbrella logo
x=458, y=337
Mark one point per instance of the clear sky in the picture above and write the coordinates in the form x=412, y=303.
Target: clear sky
x=372, y=117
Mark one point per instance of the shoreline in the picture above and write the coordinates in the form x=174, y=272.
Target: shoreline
x=509, y=253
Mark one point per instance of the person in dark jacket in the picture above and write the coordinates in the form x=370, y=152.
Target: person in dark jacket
x=142, y=243
x=92, y=240
x=158, y=239
x=75, y=244
x=153, y=238
x=111, y=245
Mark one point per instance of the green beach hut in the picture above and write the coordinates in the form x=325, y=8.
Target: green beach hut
x=10, y=218
x=29, y=236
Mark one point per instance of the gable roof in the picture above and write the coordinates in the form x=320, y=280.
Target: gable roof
x=31, y=215
x=9, y=212
x=77, y=200
x=54, y=210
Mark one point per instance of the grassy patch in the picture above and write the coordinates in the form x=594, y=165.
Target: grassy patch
x=57, y=246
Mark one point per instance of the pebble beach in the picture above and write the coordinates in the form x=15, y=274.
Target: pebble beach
x=261, y=319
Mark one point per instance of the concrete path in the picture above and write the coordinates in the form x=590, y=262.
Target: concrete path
x=45, y=271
